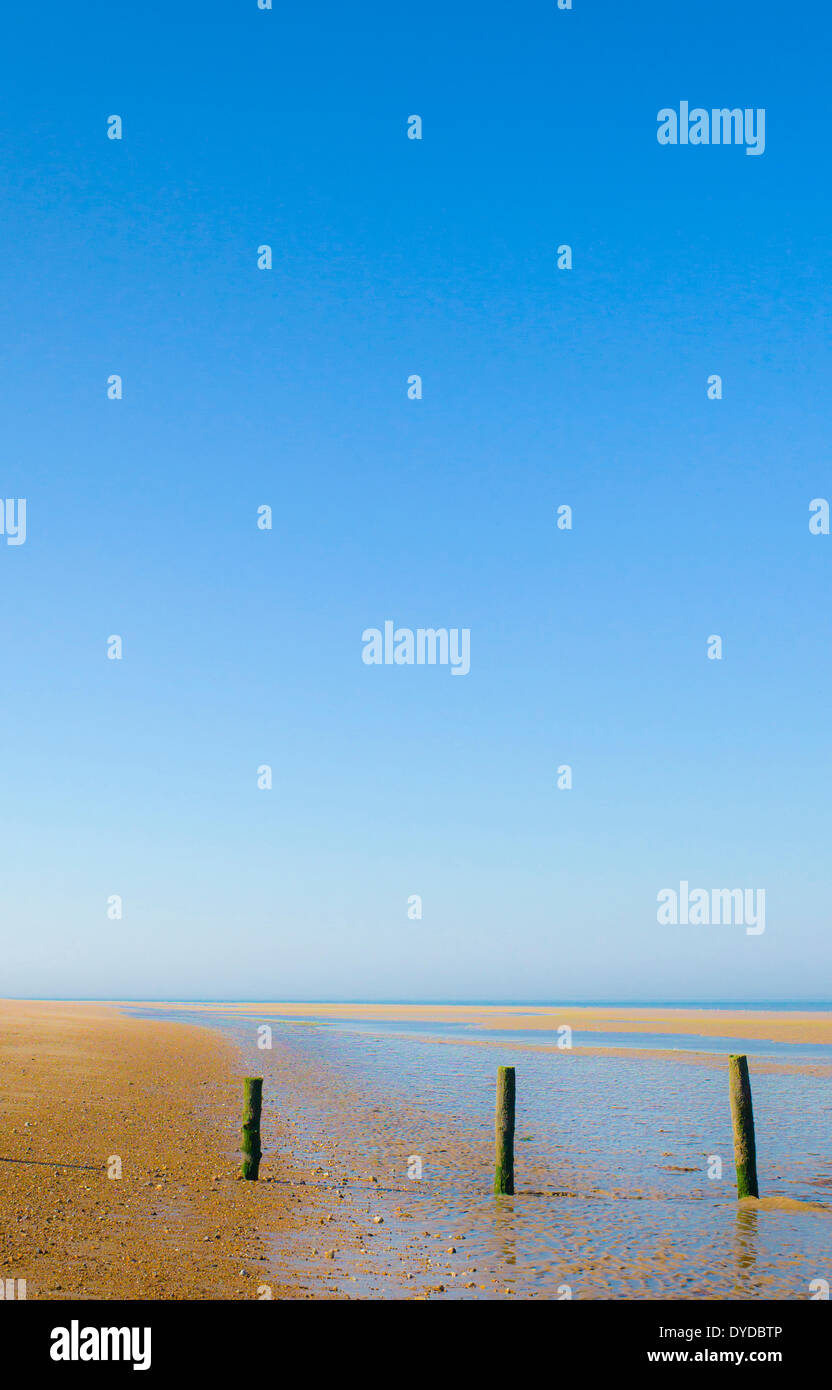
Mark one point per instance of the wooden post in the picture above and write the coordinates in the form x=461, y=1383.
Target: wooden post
x=504, y=1132
x=742, y=1117
x=252, y=1098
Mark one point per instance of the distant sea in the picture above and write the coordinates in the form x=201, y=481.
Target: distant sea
x=761, y=1005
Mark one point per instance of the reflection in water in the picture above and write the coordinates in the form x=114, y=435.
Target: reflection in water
x=505, y=1232
x=746, y=1235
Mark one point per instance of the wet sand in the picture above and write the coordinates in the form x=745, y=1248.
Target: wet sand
x=81, y=1085
x=615, y=1196
x=793, y=1026
x=714, y=1060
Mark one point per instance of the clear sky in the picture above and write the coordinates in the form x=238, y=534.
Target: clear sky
x=541, y=387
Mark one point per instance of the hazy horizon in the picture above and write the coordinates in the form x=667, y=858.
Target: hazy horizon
x=496, y=1002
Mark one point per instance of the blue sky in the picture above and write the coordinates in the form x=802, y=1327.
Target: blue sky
x=288, y=387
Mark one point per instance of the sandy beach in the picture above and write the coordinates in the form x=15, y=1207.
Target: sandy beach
x=81, y=1085
x=614, y=1147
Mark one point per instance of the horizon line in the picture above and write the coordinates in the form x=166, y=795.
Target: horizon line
x=480, y=1003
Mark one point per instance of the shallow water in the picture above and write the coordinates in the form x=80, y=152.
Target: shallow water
x=613, y=1153
x=580, y=1038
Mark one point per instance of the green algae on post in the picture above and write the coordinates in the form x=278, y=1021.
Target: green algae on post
x=742, y=1117
x=250, y=1146
x=504, y=1132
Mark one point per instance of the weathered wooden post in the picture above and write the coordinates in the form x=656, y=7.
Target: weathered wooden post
x=252, y=1100
x=742, y=1117
x=504, y=1132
